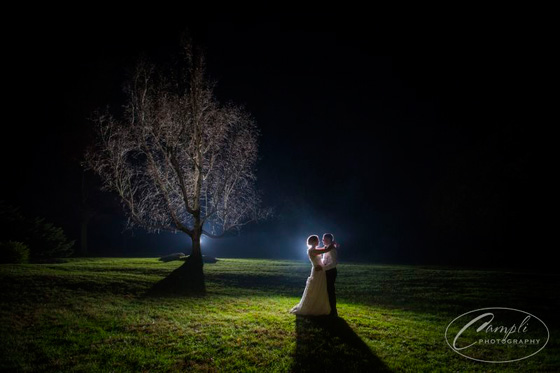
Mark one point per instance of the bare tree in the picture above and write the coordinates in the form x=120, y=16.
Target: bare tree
x=179, y=159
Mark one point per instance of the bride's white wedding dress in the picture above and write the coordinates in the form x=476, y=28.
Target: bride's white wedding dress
x=315, y=299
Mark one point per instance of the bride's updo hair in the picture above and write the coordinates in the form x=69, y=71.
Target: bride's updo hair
x=313, y=239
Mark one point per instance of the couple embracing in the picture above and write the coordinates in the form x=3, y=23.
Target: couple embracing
x=319, y=296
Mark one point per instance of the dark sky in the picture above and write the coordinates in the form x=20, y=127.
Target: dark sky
x=385, y=132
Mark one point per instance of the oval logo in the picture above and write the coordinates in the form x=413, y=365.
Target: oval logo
x=497, y=335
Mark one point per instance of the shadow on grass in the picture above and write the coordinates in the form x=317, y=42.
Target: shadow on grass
x=186, y=280
x=330, y=345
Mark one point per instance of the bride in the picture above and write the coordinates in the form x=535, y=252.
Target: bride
x=315, y=299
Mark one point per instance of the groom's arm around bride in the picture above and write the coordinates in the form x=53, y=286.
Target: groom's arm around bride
x=320, y=251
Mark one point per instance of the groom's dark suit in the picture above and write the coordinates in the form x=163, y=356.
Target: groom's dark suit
x=331, y=277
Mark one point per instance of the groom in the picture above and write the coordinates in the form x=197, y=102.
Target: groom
x=330, y=260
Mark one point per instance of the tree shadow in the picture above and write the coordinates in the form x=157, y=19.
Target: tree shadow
x=185, y=280
x=330, y=345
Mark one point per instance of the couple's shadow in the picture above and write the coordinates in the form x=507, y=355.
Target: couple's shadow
x=330, y=345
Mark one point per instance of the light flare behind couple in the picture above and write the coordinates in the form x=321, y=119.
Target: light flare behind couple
x=319, y=296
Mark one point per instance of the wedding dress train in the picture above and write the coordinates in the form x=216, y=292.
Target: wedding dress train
x=315, y=299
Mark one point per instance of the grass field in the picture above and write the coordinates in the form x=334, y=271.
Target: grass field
x=92, y=315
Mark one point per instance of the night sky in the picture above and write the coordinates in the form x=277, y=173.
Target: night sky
x=413, y=141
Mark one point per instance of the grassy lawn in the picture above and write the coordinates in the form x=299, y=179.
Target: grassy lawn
x=91, y=315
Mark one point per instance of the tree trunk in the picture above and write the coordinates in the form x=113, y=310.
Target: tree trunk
x=196, y=252
x=193, y=267
x=187, y=279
